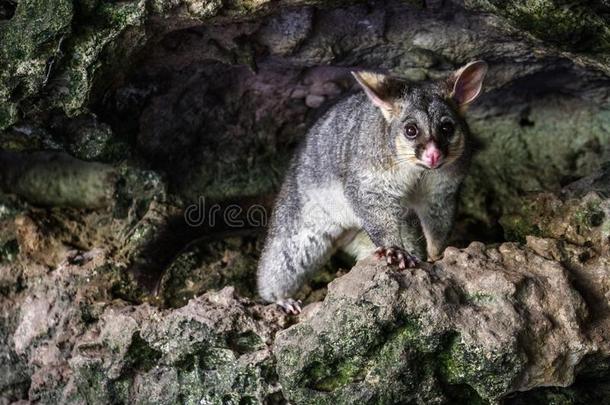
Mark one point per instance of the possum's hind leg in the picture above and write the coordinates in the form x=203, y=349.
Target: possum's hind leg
x=290, y=257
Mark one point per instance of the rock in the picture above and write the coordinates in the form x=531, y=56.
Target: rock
x=124, y=214
x=577, y=27
x=313, y=101
x=329, y=89
x=580, y=218
x=55, y=179
x=28, y=138
x=285, y=31
x=28, y=40
x=41, y=242
x=481, y=323
x=86, y=138
x=496, y=185
x=209, y=265
x=49, y=64
x=36, y=328
x=69, y=339
x=487, y=323
x=33, y=323
x=298, y=93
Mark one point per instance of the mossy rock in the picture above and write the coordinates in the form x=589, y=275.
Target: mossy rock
x=209, y=265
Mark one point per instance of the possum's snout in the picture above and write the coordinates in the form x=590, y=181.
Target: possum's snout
x=432, y=156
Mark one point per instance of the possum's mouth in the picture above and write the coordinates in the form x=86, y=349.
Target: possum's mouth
x=438, y=166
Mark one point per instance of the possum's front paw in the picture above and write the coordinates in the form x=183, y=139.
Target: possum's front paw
x=396, y=255
x=290, y=306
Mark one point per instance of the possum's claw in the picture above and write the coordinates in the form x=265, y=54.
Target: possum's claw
x=396, y=255
x=290, y=306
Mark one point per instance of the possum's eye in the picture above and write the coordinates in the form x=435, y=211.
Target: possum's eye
x=411, y=131
x=447, y=129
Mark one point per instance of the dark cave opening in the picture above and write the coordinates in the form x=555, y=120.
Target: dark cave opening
x=7, y=9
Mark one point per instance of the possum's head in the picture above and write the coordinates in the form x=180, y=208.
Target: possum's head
x=424, y=119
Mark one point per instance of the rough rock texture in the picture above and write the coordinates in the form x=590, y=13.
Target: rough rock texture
x=118, y=118
x=72, y=342
x=579, y=28
x=484, y=321
x=214, y=349
x=578, y=214
x=58, y=48
x=487, y=323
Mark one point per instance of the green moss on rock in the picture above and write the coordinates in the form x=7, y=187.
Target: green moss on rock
x=28, y=41
x=490, y=375
x=517, y=227
x=571, y=25
x=209, y=265
x=9, y=251
x=517, y=161
x=590, y=215
x=355, y=369
x=323, y=378
x=140, y=356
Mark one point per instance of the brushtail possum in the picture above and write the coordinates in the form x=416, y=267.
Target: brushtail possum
x=379, y=168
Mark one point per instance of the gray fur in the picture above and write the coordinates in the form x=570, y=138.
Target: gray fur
x=349, y=176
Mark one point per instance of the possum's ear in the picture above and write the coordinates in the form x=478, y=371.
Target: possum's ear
x=377, y=88
x=466, y=82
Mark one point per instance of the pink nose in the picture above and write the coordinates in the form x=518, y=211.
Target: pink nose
x=432, y=155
